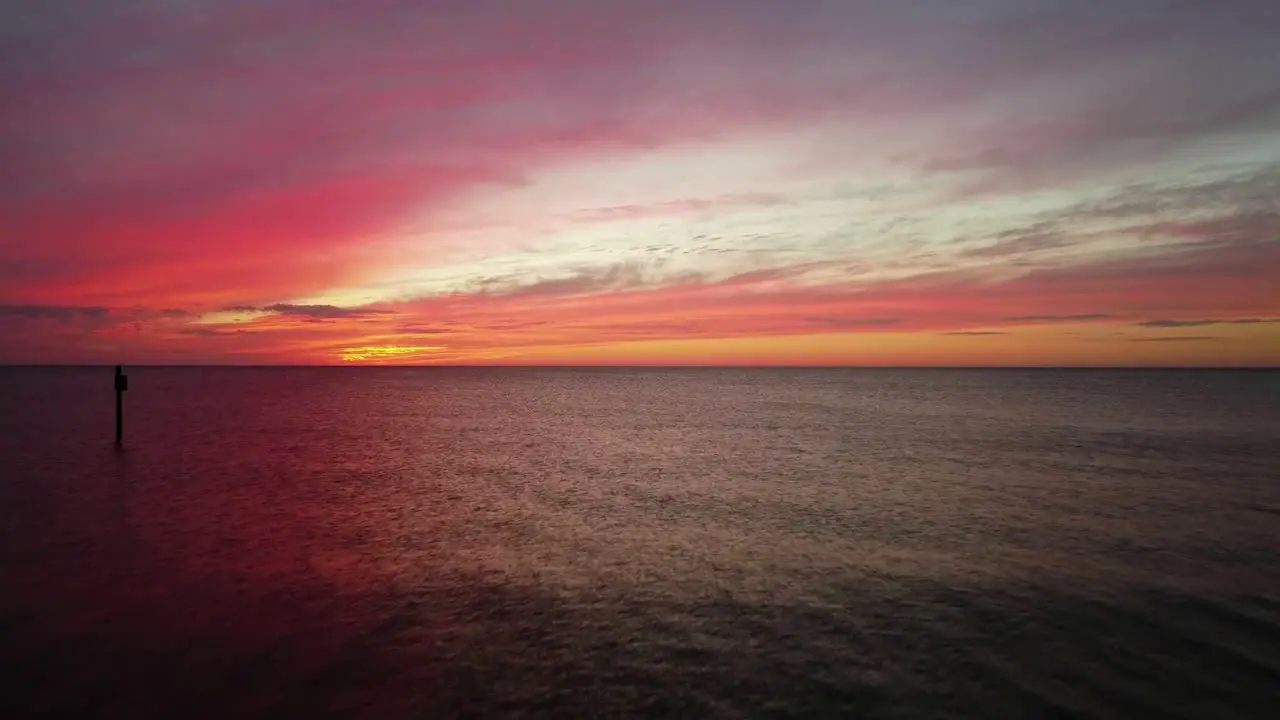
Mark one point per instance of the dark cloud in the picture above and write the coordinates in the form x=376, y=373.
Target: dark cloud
x=211, y=332
x=1205, y=323
x=1176, y=323
x=1060, y=318
x=858, y=322
x=326, y=312
x=514, y=324
x=62, y=313
x=316, y=312
x=975, y=333
x=1176, y=338
x=643, y=329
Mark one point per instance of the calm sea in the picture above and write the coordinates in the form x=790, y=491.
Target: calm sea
x=391, y=543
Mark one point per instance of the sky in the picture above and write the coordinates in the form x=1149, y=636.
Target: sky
x=633, y=182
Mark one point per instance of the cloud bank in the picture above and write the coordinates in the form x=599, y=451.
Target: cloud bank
x=994, y=181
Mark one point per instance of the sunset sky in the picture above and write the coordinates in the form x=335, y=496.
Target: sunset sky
x=861, y=182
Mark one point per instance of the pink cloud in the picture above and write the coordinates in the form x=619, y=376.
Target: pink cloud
x=198, y=154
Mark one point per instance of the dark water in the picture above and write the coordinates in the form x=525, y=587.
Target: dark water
x=702, y=543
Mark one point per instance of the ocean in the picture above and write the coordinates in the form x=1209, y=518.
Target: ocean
x=700, y=543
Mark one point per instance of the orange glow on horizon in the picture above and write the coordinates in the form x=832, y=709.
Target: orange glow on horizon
x=1078, y=345
x=380, y=353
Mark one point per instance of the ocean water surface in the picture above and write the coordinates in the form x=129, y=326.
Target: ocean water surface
x=703, y=543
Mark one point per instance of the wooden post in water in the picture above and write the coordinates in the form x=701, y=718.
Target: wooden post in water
x=122, y=384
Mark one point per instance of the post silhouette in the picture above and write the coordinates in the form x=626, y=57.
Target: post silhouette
x=122, y=384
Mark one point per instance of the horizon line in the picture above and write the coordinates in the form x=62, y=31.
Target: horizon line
x=490, y=366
